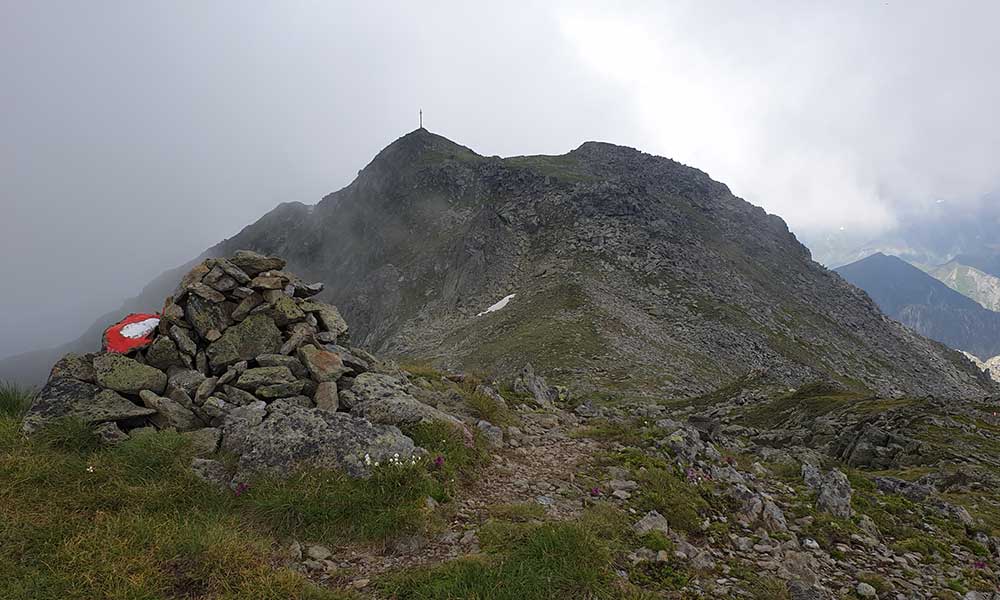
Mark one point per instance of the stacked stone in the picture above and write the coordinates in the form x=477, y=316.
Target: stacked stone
x=239, y=340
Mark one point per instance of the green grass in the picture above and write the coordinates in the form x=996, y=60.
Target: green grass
x=517, y=513
x=14, y=399
x=571, y=559
x=79, y=521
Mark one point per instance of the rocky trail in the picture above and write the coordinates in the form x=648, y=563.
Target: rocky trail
x=544, y=466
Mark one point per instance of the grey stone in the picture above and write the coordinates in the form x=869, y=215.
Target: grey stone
x=322, y=364
x=491, y=433
x=652, y=521
x=122, y=374
x=238, y=397
x=205, y=389
x=75, y=366
x=253, y=263
x=328, y=316
x=280, y=390
x=527, y=382
x=238, y=424
x=865, y=590
x=258, y=377
x=169, y=413
x=256, y=335
x=833, y=490
x=163, y=354
x=63, y=397
x=326, y=397
x=280, y=360
x=383, y=399
x=184, y=342
x=205, y=316
x=246, y=305
x=293, y=436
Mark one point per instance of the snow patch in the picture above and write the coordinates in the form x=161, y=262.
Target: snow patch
x=502, y=303
x=139, y=329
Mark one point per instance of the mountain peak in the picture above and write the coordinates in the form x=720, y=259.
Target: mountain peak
x=419, y=144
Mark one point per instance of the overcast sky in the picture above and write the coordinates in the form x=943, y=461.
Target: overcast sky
x=133, y=135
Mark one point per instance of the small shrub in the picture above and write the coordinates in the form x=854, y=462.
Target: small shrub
x=14, y=400
x=70, y=435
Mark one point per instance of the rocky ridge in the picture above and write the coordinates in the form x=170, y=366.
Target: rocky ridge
x=631, y=275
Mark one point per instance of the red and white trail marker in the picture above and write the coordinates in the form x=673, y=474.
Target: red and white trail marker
x=131, y=333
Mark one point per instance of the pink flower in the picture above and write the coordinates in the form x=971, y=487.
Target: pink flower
x=595, y=491
x=439, y=461
x=240, y=488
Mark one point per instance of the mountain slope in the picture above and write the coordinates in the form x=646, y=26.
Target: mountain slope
x=926, y=305
x=968, y=281
x=632, y=275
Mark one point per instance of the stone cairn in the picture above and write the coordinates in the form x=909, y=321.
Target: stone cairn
x=244, y=359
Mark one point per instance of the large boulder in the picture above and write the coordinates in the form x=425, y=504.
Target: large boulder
x=292, y=436
x=527, y=382
x=383, y=399
x=256, y=335
x=128, y=376
x=833, y=490
x=328, y=316
x=63, y=397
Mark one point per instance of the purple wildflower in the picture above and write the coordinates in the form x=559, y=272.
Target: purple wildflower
x=439, y=461
x=240, y=488
x=595, y=491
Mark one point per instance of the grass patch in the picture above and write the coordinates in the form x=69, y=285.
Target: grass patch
x=14, y=399
x=130, y=522
x=518, y=513
x=527, y=562
x=82, y=521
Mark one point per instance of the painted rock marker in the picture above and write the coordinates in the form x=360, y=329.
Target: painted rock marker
x=131, y=333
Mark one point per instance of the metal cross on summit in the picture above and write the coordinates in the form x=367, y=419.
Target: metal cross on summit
x=421, y=118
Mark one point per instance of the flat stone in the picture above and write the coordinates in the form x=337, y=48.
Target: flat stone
x=252, y=379
x=263, y=282
x=184, y=342
x=280, y=390
x=328, y=316
x=253, y=263
x=204, y=316
x=284, y=310
x=281, y=360
x=256, y=335
x=238, y=397
x=123, y=374
x=293, y=436
x=246, y=305
x=63, y=397
x=75, y=366
x=169, y=413
x=207, y=293
x=322, y=364
x=383, y=399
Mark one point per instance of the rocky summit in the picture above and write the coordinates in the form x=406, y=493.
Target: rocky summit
x=245, y=360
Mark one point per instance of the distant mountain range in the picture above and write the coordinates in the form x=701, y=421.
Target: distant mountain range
x=980, y=286
x=928, y=306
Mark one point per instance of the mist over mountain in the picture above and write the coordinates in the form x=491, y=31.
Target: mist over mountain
x=630, y=274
